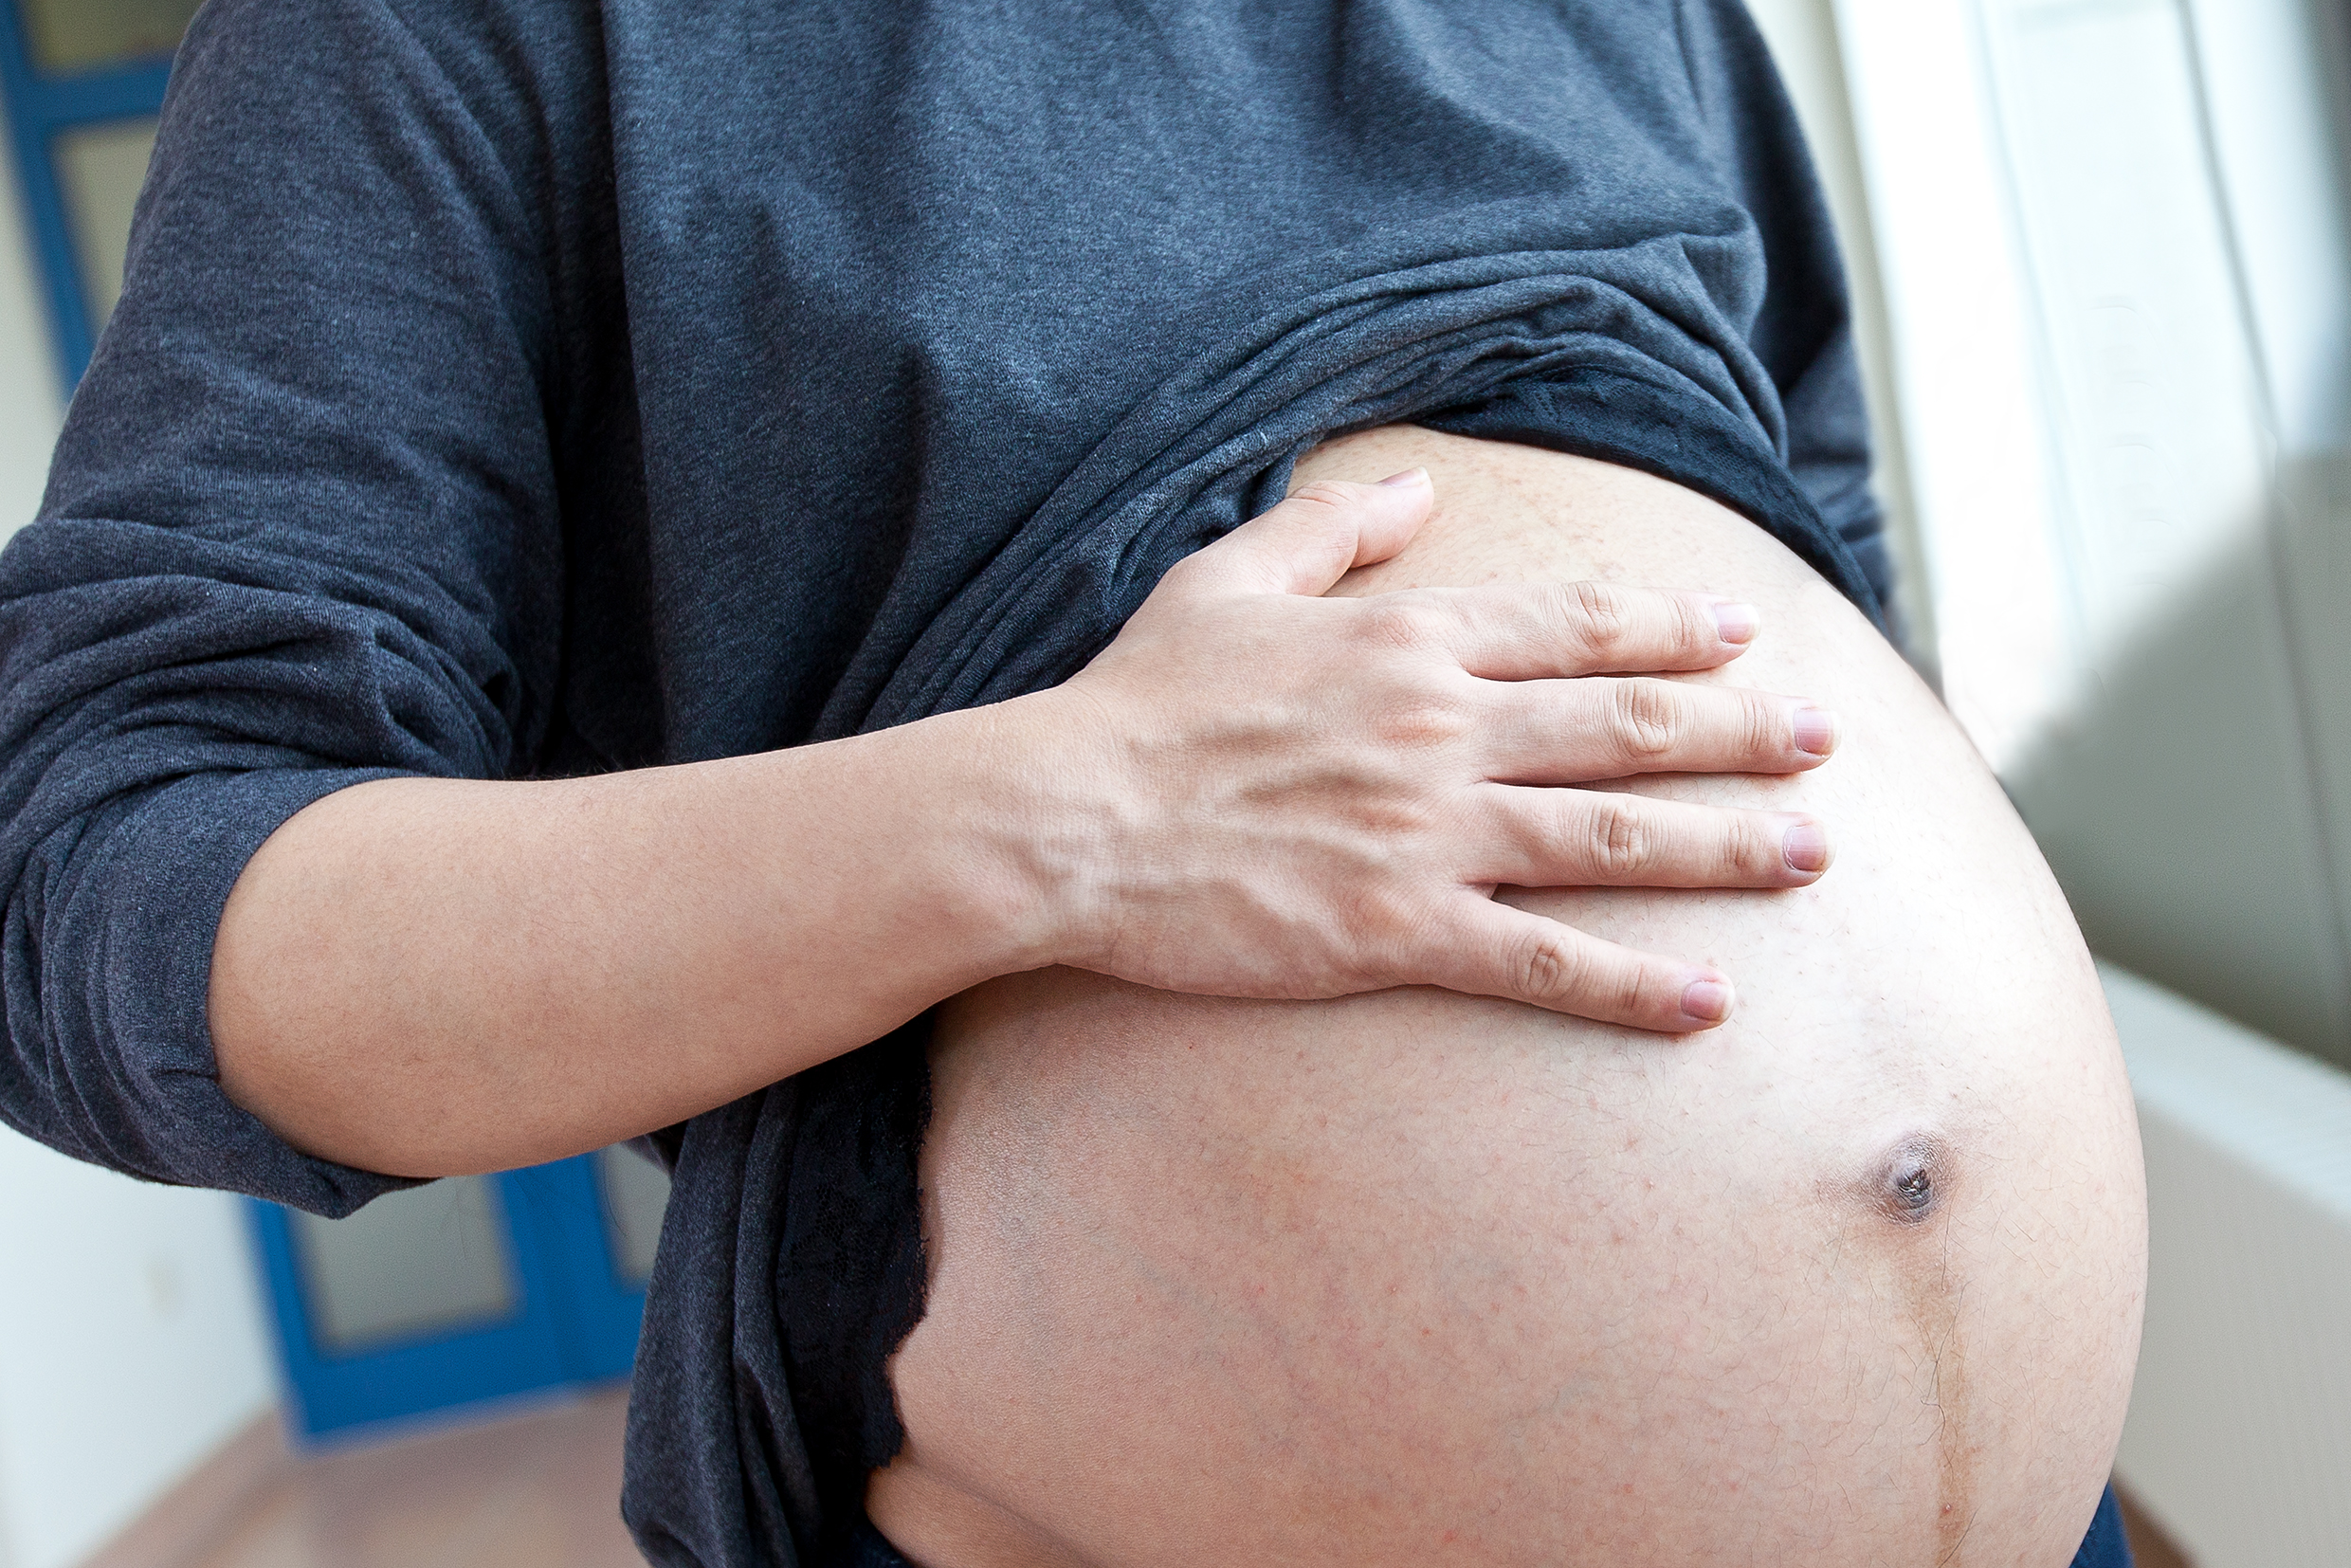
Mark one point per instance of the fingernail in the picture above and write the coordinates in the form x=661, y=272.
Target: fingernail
x=1737, y=622
x=1709, y=1001
x=1409, y=476
x=1805, y=847
x=1815, y=731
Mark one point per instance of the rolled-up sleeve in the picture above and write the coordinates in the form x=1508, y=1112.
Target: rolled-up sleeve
x=301, y=532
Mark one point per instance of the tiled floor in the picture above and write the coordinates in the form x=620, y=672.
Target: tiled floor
x=540, y=1490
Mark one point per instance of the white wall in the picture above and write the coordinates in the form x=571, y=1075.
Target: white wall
x=2239, y=1436
x=131, y=1338
x=131, y=1347
x=2120, y=408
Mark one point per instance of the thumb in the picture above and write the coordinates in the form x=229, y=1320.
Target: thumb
x=1310, y=541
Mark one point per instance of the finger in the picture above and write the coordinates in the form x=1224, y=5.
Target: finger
x=1494, y=950
x=1575, y=732
x=1530, y=630
x=1593, y=838
x=1315, y=537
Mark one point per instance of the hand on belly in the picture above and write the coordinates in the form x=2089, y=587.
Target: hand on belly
x=1420, y=1277
x=1302, y=793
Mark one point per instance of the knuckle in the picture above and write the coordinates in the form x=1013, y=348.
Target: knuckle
x=1749, y=849
x=1622, y=843
x=1395, y=933
x=1696, y=633
x=1325, y=511
x=1404, y=935
x=1765, y=724
x=1647, y=719
x=1603, y=617
x=1629, y=994
x=1550, y=969
x=1407, y=622
x=1733, y=853
x=1332, y=497
x=1425, y=715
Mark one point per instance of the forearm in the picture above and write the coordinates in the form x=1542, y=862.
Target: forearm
x=427, y=976
x=1253, y=792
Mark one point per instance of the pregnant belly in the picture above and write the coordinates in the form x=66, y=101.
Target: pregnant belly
x=1417, y=1277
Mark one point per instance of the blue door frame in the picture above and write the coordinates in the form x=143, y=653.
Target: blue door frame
x=40, y=108
x=574, y=1322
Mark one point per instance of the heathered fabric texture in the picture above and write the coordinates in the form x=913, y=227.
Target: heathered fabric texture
x=512, y=387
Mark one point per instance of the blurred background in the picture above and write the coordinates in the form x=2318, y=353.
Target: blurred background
x=2103, y=276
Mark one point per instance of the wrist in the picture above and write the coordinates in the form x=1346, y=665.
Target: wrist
x=1045, y=826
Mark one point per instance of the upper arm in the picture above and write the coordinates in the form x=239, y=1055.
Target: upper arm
x=302, y=529
x=324, y=376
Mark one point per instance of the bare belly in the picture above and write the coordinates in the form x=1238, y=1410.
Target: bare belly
x=1419, y=1278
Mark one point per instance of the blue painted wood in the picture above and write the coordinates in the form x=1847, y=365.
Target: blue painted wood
x=330, y=1391
x=562, y=1206
x=39, y=108
x=119, y=93
x=576, y=1324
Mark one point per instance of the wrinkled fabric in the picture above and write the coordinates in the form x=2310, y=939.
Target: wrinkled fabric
x=508, y=389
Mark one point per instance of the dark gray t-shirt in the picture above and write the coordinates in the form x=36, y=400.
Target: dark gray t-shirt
x=517, y=387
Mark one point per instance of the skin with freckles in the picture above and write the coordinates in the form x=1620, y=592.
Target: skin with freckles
x=1417, y=1277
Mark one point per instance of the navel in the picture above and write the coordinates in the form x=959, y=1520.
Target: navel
x=1911, y=1183
x=1911, y=1180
